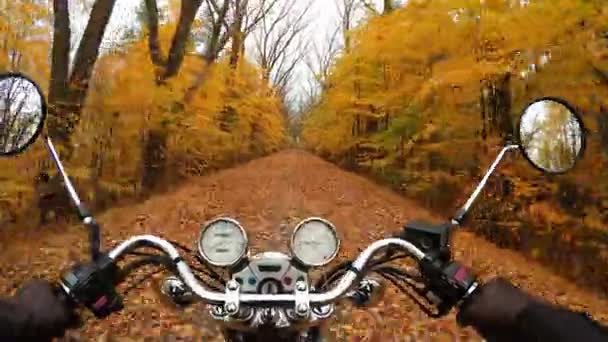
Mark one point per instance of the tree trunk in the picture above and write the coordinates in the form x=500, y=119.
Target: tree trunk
x=237, y=34
x=388, y=6
x=496, y=106
x=68, y=92
x=58, y=88
x=602, y=121
x=156, y=53
x=180, y=40
x=153, y=159
x=216, y=41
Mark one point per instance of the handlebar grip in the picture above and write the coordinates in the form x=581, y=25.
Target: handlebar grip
x=65, y=300
x=64, y=297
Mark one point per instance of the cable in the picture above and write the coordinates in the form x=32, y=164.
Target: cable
x=329, y=276
x=400, y=274
x=167, y=262
x=388, y=258
x=402, y=289
x=212, y=274
x=180, y=246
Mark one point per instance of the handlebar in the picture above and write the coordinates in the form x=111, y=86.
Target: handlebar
x=219, y=298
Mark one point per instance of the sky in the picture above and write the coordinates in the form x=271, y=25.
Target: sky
x=323, y=16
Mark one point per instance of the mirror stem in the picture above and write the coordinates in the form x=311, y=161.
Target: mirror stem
x=461, y=213
x=83, y=213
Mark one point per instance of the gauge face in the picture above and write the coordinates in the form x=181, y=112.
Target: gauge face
x=223, y=242
x=315, y=242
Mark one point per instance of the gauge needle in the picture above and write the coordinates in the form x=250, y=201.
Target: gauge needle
x=218, y=244
x=310, y=242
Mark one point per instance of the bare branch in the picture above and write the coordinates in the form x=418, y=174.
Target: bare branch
x=320, y=61
x=369, y=6
x=279, y=47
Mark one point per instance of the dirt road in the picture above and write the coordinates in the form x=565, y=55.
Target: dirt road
x=269, y=196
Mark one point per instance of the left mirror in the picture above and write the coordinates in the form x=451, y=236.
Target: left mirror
x=22, y=113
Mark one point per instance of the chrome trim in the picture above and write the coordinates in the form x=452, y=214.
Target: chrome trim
x=64, y=176
x=485, y=178
x=219, y=298
x=471, y=290
x=208, y=225
x=301, y=225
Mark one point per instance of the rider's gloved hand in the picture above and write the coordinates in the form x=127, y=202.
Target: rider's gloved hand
x=493, y=309
x=48, y=314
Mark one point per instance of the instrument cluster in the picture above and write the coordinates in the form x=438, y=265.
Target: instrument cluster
x=223, y=242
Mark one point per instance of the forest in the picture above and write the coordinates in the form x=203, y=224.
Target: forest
x=199, y=108
x=145, y=110
x=428, y=115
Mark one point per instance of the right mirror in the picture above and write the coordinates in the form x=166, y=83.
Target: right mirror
x=551, y=135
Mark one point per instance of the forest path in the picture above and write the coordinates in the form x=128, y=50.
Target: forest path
x=269, y=196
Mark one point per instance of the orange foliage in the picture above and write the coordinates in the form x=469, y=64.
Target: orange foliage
x=125, y=102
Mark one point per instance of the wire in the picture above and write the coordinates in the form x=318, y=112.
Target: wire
x=329, y=277
x=388, y=258
x=415, y=299
x=212, y=274
x=399, y=273
x=168, y=263
x=207, y=271
x=182, y=247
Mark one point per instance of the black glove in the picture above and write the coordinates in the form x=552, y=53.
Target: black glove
x=48, y=314
x=493, y=309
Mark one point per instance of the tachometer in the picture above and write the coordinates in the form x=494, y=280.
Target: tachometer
x=315, y=242
x=223, y=242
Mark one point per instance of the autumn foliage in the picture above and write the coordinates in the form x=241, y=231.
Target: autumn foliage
x=136, y=134
x=427, y=94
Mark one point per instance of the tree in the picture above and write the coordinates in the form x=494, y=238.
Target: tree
x=225, y=20
x=279, y=45
x=169, y=66
x=347, y=11
x=321, y=59
x=68, y=90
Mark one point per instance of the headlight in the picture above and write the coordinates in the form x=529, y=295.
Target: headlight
x=223, y=242
x=315, y=242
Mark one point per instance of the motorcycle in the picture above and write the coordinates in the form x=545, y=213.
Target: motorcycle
x=272, y=296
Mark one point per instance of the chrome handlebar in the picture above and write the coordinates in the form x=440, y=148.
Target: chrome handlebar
x=219, y=298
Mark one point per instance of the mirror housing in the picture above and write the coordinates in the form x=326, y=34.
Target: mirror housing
x=23, y=111
x=551, y=135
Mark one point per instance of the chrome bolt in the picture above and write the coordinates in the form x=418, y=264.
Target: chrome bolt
x=302, y=308
x=233, y=285
x=301, y=286
x=231, y=308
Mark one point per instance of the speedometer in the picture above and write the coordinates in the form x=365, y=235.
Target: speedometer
x=223, y=242
x=315, y=242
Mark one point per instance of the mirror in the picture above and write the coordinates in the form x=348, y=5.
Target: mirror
x=551, y=135
x=22, y=113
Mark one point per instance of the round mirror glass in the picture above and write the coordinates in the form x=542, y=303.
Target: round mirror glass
x=22, y=113
x=551, y=135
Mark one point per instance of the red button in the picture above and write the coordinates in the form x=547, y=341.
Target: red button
x=461, y=274
x=100, y=302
